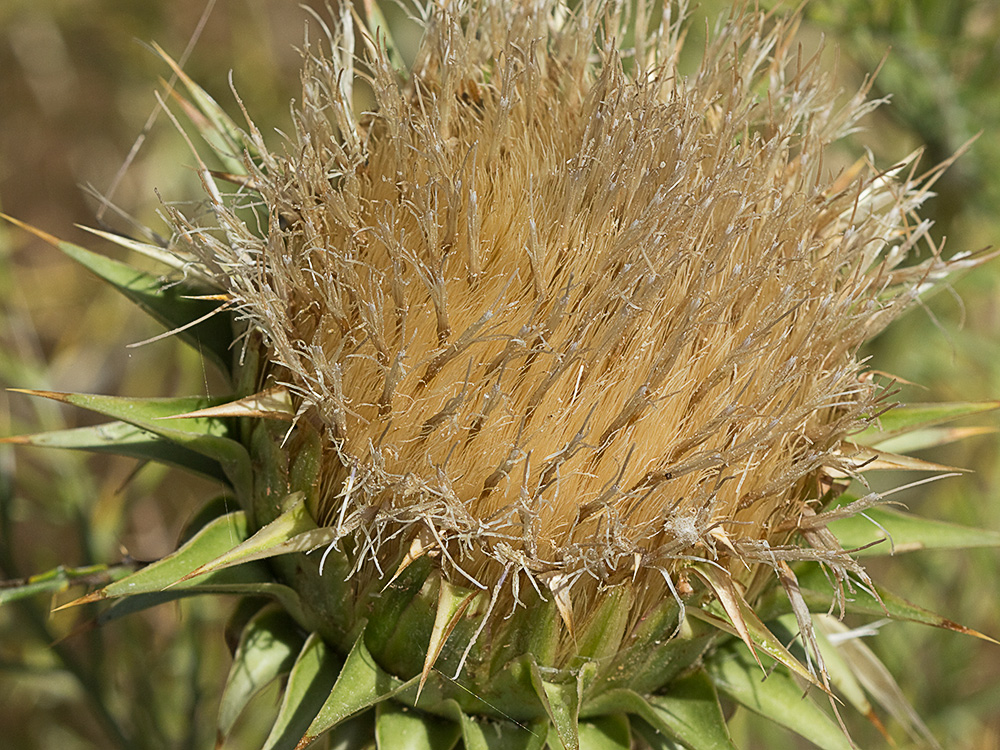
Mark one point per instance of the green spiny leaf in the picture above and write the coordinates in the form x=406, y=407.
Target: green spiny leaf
x=220, y=132
x=388, y=628
x=124, y=439
x=170, y=304
x=902, y=532
x=361, y=685
x=691, y=709
x=911, y=417
x=452, y=603
x=510, y=689
x=206, y=436
x=819, y=593
x=155, y=252
x=60, y=579
x=653, y=655
x=606, y=733
x=689, y=713
x=751, y=630
x=292, y=531
x=932, y=437
x=165, y=580
x=598, y=636
x=489, y=734
x=778, y=697
x=309, y=683
x=400, y=728
x=252, y=580
x=381, y=31
x=206, y=545
x=867, y=669
x=533, y=629
x=217, y=507
x=842, y=676
x=269, y=645
x=562, y=704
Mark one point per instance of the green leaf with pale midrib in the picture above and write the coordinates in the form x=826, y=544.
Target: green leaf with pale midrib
x=310, y=681
x=842, y=678
x=216, y=536
x=169, y=304
x=899, y=532
x=206, y=436
x=402, y=728
x=819, y=594
x=225, y=138
x=124, y=439
x=910, y=417
x=778, y=697
x=60, y=579
x=871, y=677
x=294, y=530
x=687, y=712
x=562, y=704
x=163, y=581
x=360, y=685
x=751, y=629
x=269, y=645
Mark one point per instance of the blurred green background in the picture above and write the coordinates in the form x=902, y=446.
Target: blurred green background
x=77, y=83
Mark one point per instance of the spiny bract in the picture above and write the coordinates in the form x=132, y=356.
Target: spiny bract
x=549, y=354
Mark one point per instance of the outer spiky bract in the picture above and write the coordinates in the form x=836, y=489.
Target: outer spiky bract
x=550, y=354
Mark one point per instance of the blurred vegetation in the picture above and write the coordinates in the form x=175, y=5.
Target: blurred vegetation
x=942, y=71
x=77, y=83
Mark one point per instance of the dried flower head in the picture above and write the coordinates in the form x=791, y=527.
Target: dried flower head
x=562, y=313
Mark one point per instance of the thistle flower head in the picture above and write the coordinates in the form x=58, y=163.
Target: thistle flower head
x=560, y=311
